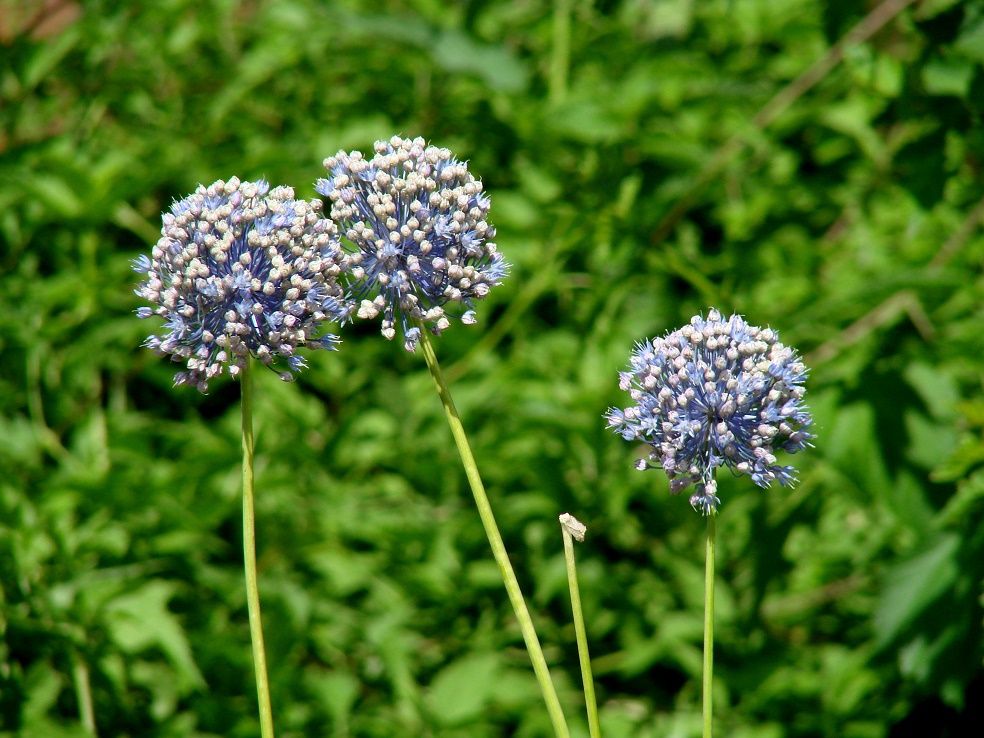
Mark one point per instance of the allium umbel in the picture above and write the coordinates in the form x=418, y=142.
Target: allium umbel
x=237, y=273
x=417, y=217
x=715, y=393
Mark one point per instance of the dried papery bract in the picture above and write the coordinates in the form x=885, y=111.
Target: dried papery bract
x=574, y=530
x=417, y=218
x=715, y=393
x=239, y=272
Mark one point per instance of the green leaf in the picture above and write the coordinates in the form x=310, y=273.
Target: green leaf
x=461, y=690
x=970, y=42
x=948, y=76
x=337, y=690
x=141, y=619
x=43, y=685
x=912, y=586
x=496, y=65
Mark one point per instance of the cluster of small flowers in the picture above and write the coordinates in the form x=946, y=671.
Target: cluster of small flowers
x=239, y=272
x=715, y=393
x=418, y=219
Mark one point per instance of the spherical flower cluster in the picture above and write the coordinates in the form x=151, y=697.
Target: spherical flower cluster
x=715, y=393
x=237, y=273
x=417, y=219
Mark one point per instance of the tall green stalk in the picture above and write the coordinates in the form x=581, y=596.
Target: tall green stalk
x=574, y=528
x=560, y=54
x=709, y=624
x=495, y=540
x=83, y=693
x=249, y=557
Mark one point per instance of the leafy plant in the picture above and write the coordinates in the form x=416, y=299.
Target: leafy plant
x=810, y=164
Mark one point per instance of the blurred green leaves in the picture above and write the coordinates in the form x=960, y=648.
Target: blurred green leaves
x=634, y=189
x=141, y=620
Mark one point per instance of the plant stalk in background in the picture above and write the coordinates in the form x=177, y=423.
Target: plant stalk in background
x=83, y=693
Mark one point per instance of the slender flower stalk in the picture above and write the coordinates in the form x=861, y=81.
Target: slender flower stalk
x=573, y=529
x=560, y=53
x=715, y=393
x=495, y=540
x=249, y=558
x=707, y=686
x=422, y=253
x=243, y=273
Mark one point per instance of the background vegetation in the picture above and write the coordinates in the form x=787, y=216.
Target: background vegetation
x=646, y=160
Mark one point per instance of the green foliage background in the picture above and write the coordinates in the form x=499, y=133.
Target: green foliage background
x=639, y=174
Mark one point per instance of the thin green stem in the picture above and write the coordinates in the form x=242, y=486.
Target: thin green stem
x=709, y=624
x=83, y=693
x=561, y=53
x=590, y=702
x=249, y=556
x=495, y=540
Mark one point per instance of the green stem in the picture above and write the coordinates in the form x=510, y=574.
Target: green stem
x=709, y=624
x=249, y=556
x=495, y=540
x=561, y=52
x=590, y=702
x=83, y=694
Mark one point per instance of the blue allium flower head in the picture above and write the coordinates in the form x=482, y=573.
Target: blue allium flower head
x=241, y=272
x=715, y=393
x=417, y=219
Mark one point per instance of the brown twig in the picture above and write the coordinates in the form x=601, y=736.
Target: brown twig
x=796, y=604
x=902, y=302
x=47, y=20
x=959, y=237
